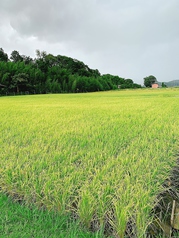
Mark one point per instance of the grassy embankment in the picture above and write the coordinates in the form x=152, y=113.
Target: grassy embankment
x=19, y=221
x=103, y=156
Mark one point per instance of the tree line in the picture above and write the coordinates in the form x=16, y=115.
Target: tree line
x=53, y=74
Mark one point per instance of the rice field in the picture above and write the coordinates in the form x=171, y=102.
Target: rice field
x=101, y=157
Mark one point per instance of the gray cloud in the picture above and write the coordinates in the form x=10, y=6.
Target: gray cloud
x=131, y=38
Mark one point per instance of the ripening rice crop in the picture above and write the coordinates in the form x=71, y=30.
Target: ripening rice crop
x=101, y=156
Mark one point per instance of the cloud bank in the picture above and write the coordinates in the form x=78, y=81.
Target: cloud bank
x=131, y=38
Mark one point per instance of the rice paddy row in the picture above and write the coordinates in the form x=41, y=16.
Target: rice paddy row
x=102, y=157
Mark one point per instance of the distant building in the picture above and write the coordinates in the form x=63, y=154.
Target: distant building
x=155, y=85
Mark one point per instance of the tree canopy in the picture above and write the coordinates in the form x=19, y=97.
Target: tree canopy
x=53, y=74
x=149, y=80
x=3, y=56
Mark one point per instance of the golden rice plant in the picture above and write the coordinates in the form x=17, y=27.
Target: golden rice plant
x=103, y=156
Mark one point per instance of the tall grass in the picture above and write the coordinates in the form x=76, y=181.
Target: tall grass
x=103, y=156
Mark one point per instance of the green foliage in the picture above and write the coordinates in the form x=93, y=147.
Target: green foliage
x=56, y=74
x=3, y=55
x=20, y=81
x=148, y=81
x=15, y=56
x=18, y=220
x=164, y=85
x=27, y=59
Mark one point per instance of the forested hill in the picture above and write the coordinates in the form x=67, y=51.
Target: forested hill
x=53, y=74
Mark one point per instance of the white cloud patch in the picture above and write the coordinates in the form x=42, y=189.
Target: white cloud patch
x=131, y=38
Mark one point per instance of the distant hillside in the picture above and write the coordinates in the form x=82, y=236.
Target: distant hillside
x=173, y=83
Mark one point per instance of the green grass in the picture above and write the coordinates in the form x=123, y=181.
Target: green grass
x=101, y=155
x=18, y=221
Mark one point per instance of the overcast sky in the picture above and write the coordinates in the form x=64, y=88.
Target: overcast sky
x=129, y=38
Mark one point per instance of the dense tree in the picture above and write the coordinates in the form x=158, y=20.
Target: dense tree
x=51, y=60
x=27, y=59
x=15, y=56
x=20, y=81
x=129, y=81
x=164, y=85
x=41, y=62
x=148, y=81
x=6, y=79
x=3, y=55
x=41, y=55
x=56, y=74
